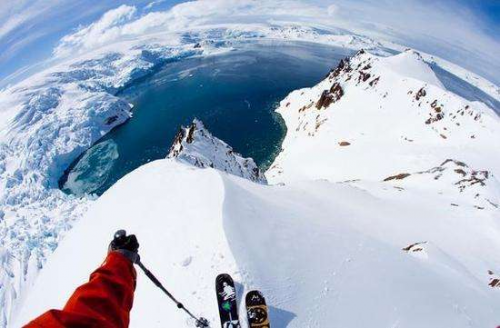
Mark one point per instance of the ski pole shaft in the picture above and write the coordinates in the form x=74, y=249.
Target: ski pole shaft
x=201, y=322
x=158, y=283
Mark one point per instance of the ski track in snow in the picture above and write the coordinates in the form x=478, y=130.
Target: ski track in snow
x=50, y=119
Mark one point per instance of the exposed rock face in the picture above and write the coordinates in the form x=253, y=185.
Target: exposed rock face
x=399, y=176
x=494, y=280
x=324, y=101
x=197, y=146
x=330, y=96
x=415, y=247
x=421, y=93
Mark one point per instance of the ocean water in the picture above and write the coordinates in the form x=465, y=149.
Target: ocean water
x=234, y=94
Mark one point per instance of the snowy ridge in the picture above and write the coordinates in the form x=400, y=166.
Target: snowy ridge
x=195, y=145
x=321, y=252
x=475, y=80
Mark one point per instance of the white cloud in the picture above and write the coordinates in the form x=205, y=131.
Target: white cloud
x=332, y=10
x=14, y=14
x=118, y=24
x=28, y=30
x=442, y=27
x=105, y=30
x=153, y=4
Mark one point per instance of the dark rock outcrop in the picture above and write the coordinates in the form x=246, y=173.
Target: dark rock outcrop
x=330, y=96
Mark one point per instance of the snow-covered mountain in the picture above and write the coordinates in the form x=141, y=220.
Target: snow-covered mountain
x=335, y=223
x=455, y=181
x=373, y=117
x=197, y=146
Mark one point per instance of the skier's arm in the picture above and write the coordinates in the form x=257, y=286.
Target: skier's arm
x=104, y=301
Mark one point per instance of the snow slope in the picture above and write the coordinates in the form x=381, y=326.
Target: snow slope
x=321, y=252
x=412, y=247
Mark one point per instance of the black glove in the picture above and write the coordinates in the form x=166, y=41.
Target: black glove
x=126, y=245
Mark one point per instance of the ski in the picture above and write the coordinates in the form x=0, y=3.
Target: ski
x=226, y=298
x=257, y=312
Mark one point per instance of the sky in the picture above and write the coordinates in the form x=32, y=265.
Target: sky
x=466, y=32
x=491, y=11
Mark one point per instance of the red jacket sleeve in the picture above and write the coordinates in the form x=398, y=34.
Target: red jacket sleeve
x=104, y=301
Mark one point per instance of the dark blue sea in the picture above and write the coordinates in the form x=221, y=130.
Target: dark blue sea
x=234, y=94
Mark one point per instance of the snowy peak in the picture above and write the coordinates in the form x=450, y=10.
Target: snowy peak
x=407, y=65
x=410, y=64
x=197, y=146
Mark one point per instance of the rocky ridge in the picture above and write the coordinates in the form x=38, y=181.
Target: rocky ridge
x=195, y=145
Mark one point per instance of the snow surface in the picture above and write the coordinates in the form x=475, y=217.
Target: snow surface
x=408, y=237
x=321, y=252
x=410, y=64
x=51, y=118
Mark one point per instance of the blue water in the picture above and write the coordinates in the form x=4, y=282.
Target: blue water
x=234, y=94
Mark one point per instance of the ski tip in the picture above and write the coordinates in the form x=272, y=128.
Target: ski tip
x=255, y=297
x=223, y=277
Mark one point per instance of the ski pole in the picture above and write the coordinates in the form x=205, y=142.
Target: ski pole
x=200, y=322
